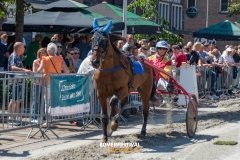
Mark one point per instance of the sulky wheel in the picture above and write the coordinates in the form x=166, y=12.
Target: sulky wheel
x=133, y=111
x=191, y=117
x=126, y=113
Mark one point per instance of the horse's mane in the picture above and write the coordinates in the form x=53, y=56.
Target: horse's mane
x=114, y=38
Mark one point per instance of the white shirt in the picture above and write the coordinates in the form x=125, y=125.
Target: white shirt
x=228, y=58
x=86, y=66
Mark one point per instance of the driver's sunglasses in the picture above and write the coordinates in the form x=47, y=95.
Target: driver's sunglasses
x=160, y=48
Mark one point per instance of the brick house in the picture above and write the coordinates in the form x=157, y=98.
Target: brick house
x=217, y=13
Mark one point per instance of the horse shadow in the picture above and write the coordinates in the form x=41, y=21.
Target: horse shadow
x=6, y=153
x=169, y=142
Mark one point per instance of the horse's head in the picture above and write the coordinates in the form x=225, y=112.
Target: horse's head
x=100, y=42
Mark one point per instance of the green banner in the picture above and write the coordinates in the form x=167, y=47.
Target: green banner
x=69, y=95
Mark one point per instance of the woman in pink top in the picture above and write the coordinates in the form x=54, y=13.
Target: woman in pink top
x=37, y=86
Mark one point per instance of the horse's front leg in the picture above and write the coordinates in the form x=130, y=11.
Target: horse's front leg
x=115, y=122
x=102, y=100
x=120, y=95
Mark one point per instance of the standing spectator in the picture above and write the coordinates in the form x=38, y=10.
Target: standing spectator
x=65, y=43
x=4, y=38
x=130, y=41
x=76, y=59
x=70, y=61
x=195, y=57
x=37, y=86
x=76, y=36
x=51, y=64
x=135, y=52
x=144, y=42
x=83, y=47
x=31, y=54
x=152, y=42
x=179, y=56
x=144, y=51
x=54, y=38
x=60, y=37
x=3, y=54
x=152, y=51
x=129, y=51
x=120, y=45
x=59, y=50
x=203, y=54
x=15, y=64
x=186, y=50
x=206, y=48
x=169, y=53
x=45, y=42
x=88, y=39
x=230, y=63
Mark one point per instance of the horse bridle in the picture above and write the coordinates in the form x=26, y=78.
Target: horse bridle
x=98, y=38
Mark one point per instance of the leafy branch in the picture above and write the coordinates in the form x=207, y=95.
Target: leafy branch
x=151, y=13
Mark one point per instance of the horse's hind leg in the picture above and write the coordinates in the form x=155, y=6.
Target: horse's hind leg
x=145, y=91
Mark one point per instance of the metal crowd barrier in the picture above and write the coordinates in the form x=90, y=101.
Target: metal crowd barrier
x=206, y=87
x=19, y=90
x=21, y=101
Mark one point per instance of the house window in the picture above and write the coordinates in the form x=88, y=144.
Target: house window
x=163, y=11
x=176, y=17
x=224, y=5
x=191, y=3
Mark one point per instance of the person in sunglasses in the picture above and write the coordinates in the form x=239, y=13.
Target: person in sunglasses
x=160, y=60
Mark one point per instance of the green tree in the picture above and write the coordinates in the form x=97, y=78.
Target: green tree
x=234, y=8
x=151, y=13
x=21, y=7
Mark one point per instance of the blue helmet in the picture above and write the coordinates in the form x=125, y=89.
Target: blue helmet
x=162, y=44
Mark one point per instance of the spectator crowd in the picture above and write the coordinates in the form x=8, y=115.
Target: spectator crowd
x=60, y=54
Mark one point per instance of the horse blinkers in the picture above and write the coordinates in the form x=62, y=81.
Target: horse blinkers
x=100, y=43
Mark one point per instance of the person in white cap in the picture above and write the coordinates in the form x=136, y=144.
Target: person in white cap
x=152, y=51
x=160, y=60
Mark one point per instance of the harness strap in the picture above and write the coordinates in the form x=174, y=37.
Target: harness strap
x=110, y=70
x=131, y=77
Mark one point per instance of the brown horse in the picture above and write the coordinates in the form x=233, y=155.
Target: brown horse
x=115, y=79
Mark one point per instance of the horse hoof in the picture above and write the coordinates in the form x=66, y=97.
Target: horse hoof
x=143, y=133
x=114, y=126
x=104, y=140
